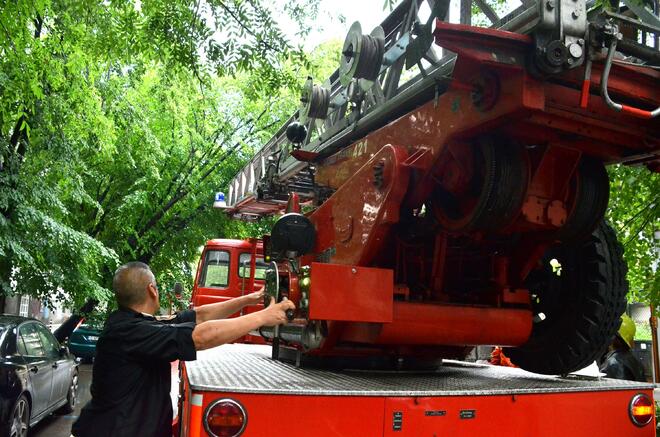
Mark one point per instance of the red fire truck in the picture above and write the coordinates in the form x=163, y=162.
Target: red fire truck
x=445, y=188
x=238, y=389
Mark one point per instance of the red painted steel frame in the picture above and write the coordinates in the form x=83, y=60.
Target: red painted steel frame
x=353, y=223
x=602, y=414
x=431, y=145
x=527, y=109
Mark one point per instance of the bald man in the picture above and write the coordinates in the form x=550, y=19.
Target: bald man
x=131, y=378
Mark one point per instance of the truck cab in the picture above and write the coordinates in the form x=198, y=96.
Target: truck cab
x=228, y=269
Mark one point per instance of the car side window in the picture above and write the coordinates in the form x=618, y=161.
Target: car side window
x=3, y=342
x=50, y=344
x=30, y=341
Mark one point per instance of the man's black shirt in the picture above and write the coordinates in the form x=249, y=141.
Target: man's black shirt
x=131, y=378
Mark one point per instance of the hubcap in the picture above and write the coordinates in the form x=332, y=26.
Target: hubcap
x=73, y=391
x=19, y=424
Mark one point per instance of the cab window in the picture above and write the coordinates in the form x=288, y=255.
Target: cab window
x=216, y=269
x=244, y=260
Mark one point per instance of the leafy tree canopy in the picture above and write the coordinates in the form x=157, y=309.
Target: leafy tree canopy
x=118, y=122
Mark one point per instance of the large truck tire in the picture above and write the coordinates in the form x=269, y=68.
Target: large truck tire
x=592, y=193
x=577, y=312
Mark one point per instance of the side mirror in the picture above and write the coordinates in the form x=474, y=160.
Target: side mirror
x=64, y=350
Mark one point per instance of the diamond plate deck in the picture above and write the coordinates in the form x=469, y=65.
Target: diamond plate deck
x=249, y=369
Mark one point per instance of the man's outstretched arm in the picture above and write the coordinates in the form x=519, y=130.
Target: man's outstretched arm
x=222, y=310
x=212, y=333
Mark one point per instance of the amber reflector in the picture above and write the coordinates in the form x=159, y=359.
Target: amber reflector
x=642, y=410
x=225, y=418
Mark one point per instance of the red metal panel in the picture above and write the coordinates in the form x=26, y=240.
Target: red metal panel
x=351, y=293
x=488, y=46
x=204, y=299
x=637, y=83
x=306, y=416
x=602, y=414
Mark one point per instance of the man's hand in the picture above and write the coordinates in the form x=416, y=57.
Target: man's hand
x=275, y=313
x=213, y=333
x=254, y=298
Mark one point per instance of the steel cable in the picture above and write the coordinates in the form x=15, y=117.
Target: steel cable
x=370, y=58
x=319, y=101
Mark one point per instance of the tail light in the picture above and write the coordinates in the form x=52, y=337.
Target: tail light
x=641, y=410
x=225, y=418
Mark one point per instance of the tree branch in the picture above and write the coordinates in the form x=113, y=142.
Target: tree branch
x=638, y=213
x=647, y=219
x=247, y=29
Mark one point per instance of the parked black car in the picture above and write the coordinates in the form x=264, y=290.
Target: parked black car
x=37, y=375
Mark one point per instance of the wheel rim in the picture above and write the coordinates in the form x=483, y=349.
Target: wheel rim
x=19, y=425
x=73, y=391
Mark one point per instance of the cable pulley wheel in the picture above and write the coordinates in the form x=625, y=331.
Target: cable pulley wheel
x=314, y=102
x=362, y=55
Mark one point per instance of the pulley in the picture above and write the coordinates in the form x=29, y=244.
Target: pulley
x=314, y=102
x=469, y=195
x=362, y=55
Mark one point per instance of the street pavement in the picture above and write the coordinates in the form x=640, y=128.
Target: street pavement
x=60, y=425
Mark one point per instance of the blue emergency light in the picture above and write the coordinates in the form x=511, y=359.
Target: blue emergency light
x=220, y=200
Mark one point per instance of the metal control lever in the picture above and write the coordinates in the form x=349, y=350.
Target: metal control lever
x=290, y=315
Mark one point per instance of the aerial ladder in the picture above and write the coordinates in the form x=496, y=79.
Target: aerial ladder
x=446, y=186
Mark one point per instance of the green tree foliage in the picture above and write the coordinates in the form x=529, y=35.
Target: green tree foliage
x=118, y=122
x=635, y=213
